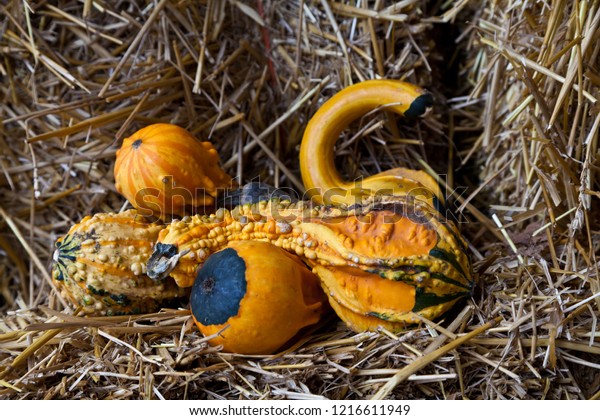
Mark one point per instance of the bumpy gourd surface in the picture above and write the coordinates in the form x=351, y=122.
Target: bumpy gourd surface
x=385, y=259
x=100, y=264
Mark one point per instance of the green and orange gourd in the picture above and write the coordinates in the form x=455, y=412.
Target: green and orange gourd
x=384, y=261
x=357, y=296
x=380, y=261
x=255, y=298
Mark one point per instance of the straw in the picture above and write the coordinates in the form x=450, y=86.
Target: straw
x=512, y=139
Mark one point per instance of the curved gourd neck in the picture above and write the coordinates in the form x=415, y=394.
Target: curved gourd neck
x=322, y=132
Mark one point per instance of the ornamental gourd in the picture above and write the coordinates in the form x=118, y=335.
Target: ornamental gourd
x=100, y=265
x=382, y=261
x=254, y=298
x=385, y=253
x=363, y=299
x=164, y=170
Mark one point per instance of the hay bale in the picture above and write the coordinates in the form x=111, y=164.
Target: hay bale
x=79, y=77
x=534, y=74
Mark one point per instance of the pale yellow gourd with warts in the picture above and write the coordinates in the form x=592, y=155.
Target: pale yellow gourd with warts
x=100, y=265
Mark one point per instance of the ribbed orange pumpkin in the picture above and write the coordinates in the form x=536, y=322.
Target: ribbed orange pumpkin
x=164, y=170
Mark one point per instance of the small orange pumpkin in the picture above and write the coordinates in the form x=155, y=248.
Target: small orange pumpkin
x=164, y=170
x=256, y=296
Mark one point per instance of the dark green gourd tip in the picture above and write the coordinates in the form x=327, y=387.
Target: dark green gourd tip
x=165, y=250
x=419, y=106
x=439, y=206
x=424, y=299
x=219, y=288
x=252, y=193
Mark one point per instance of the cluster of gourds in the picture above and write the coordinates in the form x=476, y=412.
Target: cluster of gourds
x=380, y=253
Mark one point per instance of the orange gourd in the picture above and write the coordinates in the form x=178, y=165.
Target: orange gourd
x=164, y=170
x=256, y=297
x=387, y=259
x=368, y=299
